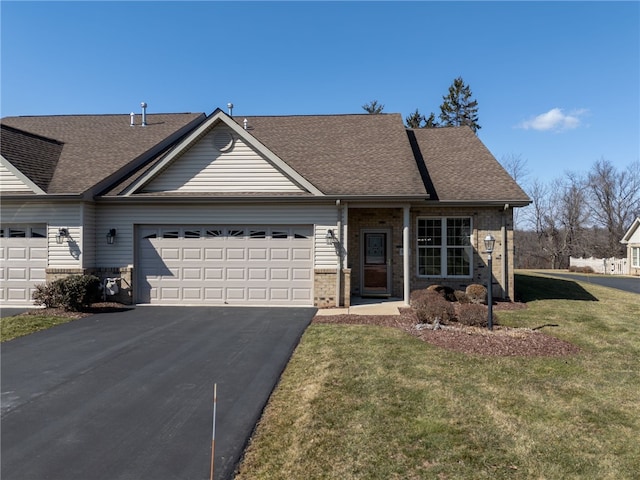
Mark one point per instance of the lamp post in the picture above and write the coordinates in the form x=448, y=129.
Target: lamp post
x=489, y=243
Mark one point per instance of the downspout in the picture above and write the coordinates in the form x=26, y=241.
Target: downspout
x=338, y=247
x=503, y=232
x=406, y=251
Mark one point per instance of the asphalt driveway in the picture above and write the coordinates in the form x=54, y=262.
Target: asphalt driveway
x=627, y=284
x=129, y=395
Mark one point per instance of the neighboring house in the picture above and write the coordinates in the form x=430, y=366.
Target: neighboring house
x=269, y=210
x=632, y=240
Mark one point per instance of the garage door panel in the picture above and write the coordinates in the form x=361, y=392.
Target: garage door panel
x=17, y=253
x=301, y=254
x=228, y=265
x=279, y=254
x=192, y=254
x=236, y=254
x=18, y=273
x=38, y=253
x=192, y=274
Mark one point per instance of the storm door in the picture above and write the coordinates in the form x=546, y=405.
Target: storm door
x=376, y=263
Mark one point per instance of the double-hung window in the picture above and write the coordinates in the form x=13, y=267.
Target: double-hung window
x=635, y=257
x=444, y=247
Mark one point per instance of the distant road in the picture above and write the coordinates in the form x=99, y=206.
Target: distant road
x=627, y=284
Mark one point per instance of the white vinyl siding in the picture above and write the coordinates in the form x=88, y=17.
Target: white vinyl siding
x=9, y=182
x=204, y=168
x=124, y=217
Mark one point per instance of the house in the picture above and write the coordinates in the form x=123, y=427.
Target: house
x=267, y=210
x=632, y=240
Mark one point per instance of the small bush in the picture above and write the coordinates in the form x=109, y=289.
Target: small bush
x=431, y=307
x=446, y=292
x=476, y=293
x=461, y=297
x=71, y=293
x=474, y=315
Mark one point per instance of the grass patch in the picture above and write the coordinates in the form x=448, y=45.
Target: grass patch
x=21, y=325
x=362, y=402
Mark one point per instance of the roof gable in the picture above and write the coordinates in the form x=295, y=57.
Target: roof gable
x=221, y=157
x=633, y=234
x=95, y=148
x=30, y=160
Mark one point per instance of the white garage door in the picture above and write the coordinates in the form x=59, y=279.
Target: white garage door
x=218, y=265
x=23, y=259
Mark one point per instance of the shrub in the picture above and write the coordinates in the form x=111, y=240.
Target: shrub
x=476, y=293
x=474, y=315
x=431, y=307
x=446, y=292
x=461, y=297
x=71, y=293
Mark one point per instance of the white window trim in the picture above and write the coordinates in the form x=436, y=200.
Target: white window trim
x=635, y=259
x=443, y=247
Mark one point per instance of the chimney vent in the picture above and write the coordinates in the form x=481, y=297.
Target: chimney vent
x=245, y=123
x=230, y=107
x=133, y=118
x=144, y=114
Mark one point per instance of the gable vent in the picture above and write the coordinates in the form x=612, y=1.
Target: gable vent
x=223, y=141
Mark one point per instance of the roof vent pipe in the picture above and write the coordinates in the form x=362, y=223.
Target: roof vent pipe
x=245, y=123
x=144, y=114
x=133, y=118
x=230, y=107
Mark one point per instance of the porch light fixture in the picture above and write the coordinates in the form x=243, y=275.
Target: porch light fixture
x=111, y=236
x=489, y=243
x=62, y=234
x=330, y=237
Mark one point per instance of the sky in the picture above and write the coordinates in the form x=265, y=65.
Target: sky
x=557, y=83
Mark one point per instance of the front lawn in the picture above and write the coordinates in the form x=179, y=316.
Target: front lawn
x=367, y=402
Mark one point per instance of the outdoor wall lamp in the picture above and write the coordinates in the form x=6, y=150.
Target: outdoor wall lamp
x=330, y=237
x=62, y=234
x=111, y=236
x=489, y=243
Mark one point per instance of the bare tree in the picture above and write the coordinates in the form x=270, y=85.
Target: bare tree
x=614, y=200
x=517, y=167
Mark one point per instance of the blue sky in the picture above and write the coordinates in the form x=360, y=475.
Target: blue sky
x=557, y=82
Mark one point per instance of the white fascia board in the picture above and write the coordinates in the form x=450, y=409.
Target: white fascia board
x=203, y=129
x=21, y=176
x=634, y=226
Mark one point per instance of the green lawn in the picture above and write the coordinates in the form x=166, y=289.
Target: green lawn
x=21, y=325
x=362, y=402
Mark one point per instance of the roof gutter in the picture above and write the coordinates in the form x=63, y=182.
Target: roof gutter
x=259, y=198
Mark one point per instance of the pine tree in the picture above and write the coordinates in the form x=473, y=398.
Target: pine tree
x=414, y=120
x=430, y=121
x=373, y=107
x=458, y=108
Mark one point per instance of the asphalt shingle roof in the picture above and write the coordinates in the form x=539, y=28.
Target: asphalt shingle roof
x=343, y=154
x=31, y=153
x=96, y=146
x=460, y=168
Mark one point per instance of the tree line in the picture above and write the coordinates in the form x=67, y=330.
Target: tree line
x=458, y=108
x=579, y=214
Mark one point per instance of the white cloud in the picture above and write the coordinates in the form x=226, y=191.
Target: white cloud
x=555, y=120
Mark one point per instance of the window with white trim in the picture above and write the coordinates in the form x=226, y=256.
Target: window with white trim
x=635, y=257
x=444, y=247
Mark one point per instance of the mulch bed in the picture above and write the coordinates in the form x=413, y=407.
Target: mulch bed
x=500, y=342
x=102, y=307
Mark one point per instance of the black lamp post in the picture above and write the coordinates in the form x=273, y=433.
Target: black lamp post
x=489, y=243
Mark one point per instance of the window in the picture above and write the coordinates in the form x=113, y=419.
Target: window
x=444, y=247
x=277, y=234
x=192, y=234
x=635, y=257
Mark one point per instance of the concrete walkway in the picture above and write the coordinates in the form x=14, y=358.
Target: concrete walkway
x=367, y=306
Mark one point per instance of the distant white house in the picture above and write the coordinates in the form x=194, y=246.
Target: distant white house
x=632, y=240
